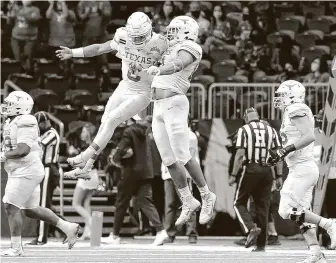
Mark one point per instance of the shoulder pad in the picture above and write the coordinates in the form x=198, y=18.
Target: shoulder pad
x=120, y=35
x=192, y=47
x=26, y=121
x=298, y=110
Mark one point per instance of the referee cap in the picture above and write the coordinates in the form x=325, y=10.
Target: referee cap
x=251, y=114
x=41, y=116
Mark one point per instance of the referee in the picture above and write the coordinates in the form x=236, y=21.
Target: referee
x=254, y=140
x=50, y=140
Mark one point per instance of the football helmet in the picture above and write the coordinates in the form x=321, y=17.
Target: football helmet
x=17, y=103
x=289, y=92
x=139, y=29
x=182, y=28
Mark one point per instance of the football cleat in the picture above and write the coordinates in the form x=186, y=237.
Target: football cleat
x=188, y=207
x=13, y=252
x=208, y=205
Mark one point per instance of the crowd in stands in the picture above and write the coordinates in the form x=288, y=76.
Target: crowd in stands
x=243, y=42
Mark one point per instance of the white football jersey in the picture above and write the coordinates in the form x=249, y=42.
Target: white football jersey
x=146, y=57
x=179, y=82
x=290, y=134
x=23, y=129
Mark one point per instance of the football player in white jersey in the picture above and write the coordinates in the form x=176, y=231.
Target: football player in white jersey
x=21, y=153
x=138, y=47
x=297, y=134
x=170, y=116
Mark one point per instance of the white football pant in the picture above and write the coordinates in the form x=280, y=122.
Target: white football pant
x=170, y=129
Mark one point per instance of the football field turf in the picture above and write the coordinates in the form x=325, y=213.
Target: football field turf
x=140, y=251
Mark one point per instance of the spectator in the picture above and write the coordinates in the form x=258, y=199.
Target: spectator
x=133, y=157
x=25, y=31
x=319, y=71
x=244, y=27
x=204, y=25
x=289, y=73
x=84, y=189
x=95, y=16
x=166, y=13
x=220, y=29
x=61, y=26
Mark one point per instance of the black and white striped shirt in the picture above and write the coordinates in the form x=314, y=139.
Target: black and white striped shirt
x=50, y=141
x=257, y=138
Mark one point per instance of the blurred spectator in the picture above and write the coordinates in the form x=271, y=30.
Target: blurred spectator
x=95, y=16
x=25, y=31
x=166, y=13
x=319, y=71
x=220, y=30
x=132, y=155
x=289, y=73
x=244, y=27
x=84, y=189
x=61, y=26
x=204, y=25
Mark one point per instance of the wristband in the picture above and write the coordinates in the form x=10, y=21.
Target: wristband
x=278, y=176
x=233, y=175
x=290, y=148
x=77, y=52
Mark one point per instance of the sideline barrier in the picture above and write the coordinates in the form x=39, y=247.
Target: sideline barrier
x=229, y=100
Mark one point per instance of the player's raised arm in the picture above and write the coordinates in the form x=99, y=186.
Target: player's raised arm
x=89, y=51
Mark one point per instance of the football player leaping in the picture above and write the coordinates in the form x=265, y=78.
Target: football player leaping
x=297, y=133
x=21, y=152
x=137, y=46
x=170, y=117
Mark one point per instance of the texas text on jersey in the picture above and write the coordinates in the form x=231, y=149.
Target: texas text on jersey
x=130, y=56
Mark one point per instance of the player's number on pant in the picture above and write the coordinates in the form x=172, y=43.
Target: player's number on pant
x=8, y=143
x=260, y=138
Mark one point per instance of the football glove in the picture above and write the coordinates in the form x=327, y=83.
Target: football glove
x=277, y=155
x=153, y=70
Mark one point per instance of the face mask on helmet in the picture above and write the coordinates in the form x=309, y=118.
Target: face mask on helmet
x=5, y=109
x=172, y=33
x=139, y=40
x=278, y=100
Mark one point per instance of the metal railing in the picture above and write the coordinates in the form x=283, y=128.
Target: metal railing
x=229, y=100
x=197, y=99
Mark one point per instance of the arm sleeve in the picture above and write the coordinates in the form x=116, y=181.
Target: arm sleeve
x=241, y=139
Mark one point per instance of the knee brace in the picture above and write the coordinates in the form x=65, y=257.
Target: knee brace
x=297, y=216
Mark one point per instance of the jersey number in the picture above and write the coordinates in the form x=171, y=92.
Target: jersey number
x=8, y=143
x=260, y=138
x=132, y=76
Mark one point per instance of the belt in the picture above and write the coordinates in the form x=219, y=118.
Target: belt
x=159, y=94
x=260, y=164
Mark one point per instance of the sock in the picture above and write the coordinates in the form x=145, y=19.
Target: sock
x=325, y=223
x=185, y=193
x=90, y=151
x=271, y=229
x=314, y=249
x=63, y=225
x=204, y=190
x=16, y=241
